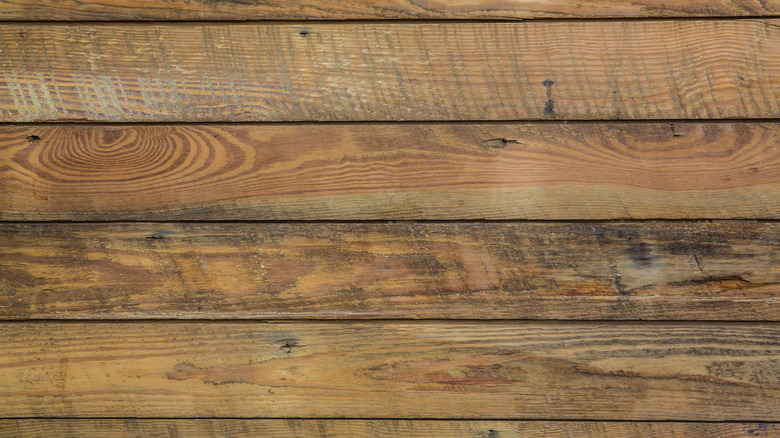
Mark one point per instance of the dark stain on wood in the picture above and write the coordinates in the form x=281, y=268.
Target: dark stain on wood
x=549, y=105
x=402, y=270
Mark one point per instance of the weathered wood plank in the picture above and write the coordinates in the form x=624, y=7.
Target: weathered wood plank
x=382, y=72
x=568, y=371
x=373, y=9
x=125, y=428
x=667, y=271
x=390, y=171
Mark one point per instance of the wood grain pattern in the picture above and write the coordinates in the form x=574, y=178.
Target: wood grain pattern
x=139, y=428
x=568, y=371
x=680, y=271
x=390, y=171
x=373, y=9
x=383, y=72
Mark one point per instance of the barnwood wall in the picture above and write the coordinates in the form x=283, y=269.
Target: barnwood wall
x=394, y=218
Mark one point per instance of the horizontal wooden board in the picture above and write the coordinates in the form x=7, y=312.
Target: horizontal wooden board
x=120, y=428
x=390, y=171
x=667, y=271
x=385, y=71
x=568, y=371
x=373, y=9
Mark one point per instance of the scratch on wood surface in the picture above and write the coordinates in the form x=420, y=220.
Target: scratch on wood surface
x=330, y=72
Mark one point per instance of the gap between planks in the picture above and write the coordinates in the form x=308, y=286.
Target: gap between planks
x=389, y=21
x=77, y=123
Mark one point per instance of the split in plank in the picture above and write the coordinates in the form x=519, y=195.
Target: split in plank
x=390, y=171
x=567, y=371
x=139, y=428
x=384, y=71
x=680, y=271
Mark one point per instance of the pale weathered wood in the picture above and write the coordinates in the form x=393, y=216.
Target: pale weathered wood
x=374, y=9
x=127, y=428
x=390, y=171
x=680, y=271
x=599, y=371
x=381, y=71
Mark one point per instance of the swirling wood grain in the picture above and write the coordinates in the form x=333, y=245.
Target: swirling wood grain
x=349, y=172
